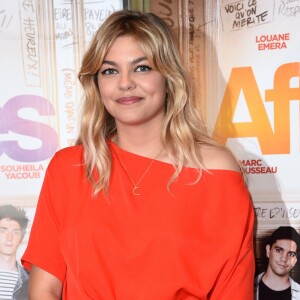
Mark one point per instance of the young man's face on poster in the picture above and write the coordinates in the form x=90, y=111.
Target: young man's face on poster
x=282, y=256
x=10, y=236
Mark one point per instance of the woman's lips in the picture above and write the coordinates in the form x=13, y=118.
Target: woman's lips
x=128, y=100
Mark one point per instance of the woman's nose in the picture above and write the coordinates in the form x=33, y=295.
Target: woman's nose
x=126, y=81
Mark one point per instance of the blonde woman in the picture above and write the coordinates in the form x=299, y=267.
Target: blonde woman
x=146, y=205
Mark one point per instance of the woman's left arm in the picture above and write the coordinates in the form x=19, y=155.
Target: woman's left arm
x=236, y=276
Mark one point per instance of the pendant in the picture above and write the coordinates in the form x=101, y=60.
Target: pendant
x=134, y=191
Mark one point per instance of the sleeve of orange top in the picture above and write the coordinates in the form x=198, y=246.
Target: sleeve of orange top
x=235, y=279
x=43, y=248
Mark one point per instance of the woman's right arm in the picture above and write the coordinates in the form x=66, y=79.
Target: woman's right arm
x=43, y=285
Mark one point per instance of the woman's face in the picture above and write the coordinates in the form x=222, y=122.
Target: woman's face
x=131, y=90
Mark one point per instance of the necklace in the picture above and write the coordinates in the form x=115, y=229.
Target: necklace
x=136, y=185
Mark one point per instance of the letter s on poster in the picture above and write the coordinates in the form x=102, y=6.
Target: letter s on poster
x=12, y=122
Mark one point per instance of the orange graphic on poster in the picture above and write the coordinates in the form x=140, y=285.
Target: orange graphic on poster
x=271, y=141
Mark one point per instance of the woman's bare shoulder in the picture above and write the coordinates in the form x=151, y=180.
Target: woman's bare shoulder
x=218, y=157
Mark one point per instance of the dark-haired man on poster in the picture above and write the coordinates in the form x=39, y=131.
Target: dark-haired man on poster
x=13, y=277
x=276, y=282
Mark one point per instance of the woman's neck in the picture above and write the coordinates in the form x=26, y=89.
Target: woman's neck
x=136, y=140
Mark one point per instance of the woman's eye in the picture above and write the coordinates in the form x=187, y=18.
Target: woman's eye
x=108, y=72
x=143, y=68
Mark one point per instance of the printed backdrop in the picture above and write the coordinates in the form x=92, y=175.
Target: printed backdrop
x=244, y=55
x=41, y=44
x=257, y=113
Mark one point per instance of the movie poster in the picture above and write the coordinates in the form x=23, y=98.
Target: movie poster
x=256, y=111
x=42, y=43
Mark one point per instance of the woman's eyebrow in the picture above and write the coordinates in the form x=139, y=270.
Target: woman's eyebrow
x=139, y=59
x=109, y=62
x=134, y=62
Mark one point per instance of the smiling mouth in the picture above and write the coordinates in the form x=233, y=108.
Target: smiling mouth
x=282, y=266
x=128, y=100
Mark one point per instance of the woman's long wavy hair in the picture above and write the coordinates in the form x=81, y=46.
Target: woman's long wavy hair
x=183, y=130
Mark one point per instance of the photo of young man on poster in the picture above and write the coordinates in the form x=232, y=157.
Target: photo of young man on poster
x=276, y=282
x=13, y=277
